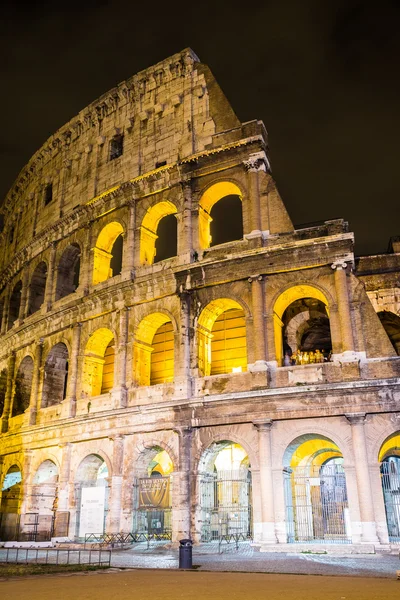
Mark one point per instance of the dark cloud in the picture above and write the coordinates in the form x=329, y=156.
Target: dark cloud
x=321, y=75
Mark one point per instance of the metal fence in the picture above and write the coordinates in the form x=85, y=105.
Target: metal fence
x=51, y=556
x=119, y=539
x=390, y=474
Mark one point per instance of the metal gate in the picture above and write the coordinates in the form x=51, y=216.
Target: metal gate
x=30, y=527
x=390, y=474
x=316, y=504
x=225, y=504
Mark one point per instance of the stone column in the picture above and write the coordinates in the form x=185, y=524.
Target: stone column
x=4, y=317
x=51, y=276
x=122, y=355
x=254, y=165
x=257, y=301
x=24, y=294
x=266, y=481
x=73, y=369
x=114, y=514
x=25, y=486
x=128, y=255
x=185, y=241
x=86, y=268
x=343, y=306
x=9, y=392
x=367, y=515
x=62, y=513
x=181, y=496
x=34, y=402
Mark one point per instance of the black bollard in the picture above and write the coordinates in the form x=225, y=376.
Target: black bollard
x=185, y=554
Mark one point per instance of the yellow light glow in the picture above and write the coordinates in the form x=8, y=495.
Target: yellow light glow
x=143, y=349
x=314, y=452
x=230, y=458
x=102, y=251
x=207, y=201
x=237, y=369
x=148, y=230
x=92, y=380
x=391, y=447
x=164, y=463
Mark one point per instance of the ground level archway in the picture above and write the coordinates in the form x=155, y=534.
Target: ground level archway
x=91, y=496
x=390, y=477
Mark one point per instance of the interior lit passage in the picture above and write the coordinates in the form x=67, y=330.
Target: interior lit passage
x=22, y=387
x=153, y=493
x=14, y=304
x=99, y=363
x=55, y=376
x=224, y=484
x=107, y=254
x=224, y=223
x=3, y=388
x=154, y=350
x=10, y=502
x=158, y=233
x=42, y=501
x=302, y=326
x=389, y=458
x=391, y=324
x=68, y=271
x=91, y=495
x=37, y=288
x=315, y=491
x=221, y=334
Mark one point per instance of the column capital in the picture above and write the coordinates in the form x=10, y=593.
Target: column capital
x=356, y=418
x=257, y=162
x=339, y=265
x=263, y=424
x=184, y=430
x=254, y=278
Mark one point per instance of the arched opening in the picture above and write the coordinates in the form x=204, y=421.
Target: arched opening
x=107, y=259
x=228, y=220
x=150, y=232
x=315, y=491
x=55, y=376
x=389, y=458
x=37, y=288
x=391, y=324
x=10, y=501
x=43, y=500
x=3, y=388
x=302, y=326
x=166, y=244
x=225, y=497
x=91, y=495
x=14, y=304
x=221, y=336
x=154, y=350
x=99, y=363
x=152, y=498
x=22, y=388
x=68, y=271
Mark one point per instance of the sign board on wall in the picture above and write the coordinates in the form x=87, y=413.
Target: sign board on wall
x=92, y=510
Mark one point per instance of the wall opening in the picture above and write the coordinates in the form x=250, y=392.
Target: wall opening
x=389, y=458
x=99, y=363
x=228, y=217
x=23, y=387
x=225, y=494
x=37, y=288
x=153, y=493
x=221, y=336
x=55, y=376
x=391, y=324
x=315, y=491
x=107, y=254
x=10, y=502
x=91, y=495
x=68, y=271
x=150, y=232
x=154, y=336
x=42, y=501
x=14, y=304
x=3, y=389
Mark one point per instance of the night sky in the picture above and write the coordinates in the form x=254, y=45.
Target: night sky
x=323, y=75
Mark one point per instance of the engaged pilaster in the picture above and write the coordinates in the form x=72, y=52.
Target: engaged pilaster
x=342, y=294
x=114, y=516
x=259, y=338
x=266, y=481
x=34, y=400
x=9, y=392
x=181, y=503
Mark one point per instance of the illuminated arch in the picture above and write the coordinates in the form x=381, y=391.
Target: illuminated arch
x=222, y=340
x=283, y=301
x=148, y=230
x=213, y=194
x=98, y=366
x=391, y=324
x=103, y=252
x=389, y=458
x=144, y=347
x=390, y=447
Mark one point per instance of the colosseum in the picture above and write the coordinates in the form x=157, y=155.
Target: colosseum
x=177, y=359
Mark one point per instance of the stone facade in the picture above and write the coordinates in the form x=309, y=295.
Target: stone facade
x=108, y=370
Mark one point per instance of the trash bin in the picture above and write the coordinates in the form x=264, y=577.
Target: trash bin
x=185, y=554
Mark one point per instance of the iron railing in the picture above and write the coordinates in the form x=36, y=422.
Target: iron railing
x=55, y=556
x=115, y=539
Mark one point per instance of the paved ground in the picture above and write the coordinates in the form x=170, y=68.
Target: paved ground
x=174, y=585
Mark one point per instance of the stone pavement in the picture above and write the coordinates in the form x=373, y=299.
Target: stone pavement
x=246, y=559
